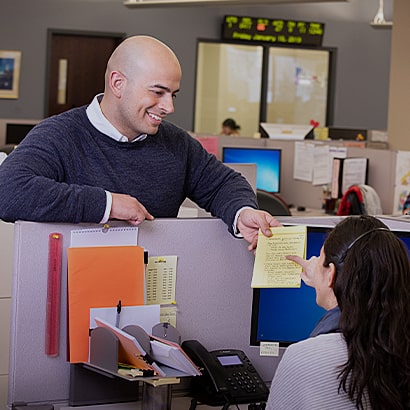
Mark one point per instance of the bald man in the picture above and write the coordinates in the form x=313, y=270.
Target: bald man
x=119, y=158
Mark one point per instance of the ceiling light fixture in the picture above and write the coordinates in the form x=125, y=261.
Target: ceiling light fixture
x=153, y=3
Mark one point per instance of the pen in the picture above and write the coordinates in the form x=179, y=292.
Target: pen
x=117, y=320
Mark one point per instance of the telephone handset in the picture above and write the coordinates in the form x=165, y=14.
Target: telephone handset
x=228, y=376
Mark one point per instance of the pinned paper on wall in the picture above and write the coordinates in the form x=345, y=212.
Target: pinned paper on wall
x=402, y=182
x=313, y=161
x=321, y=168
x=303, y=164
x=168, y=314
x=104, y=236
x=160, y=279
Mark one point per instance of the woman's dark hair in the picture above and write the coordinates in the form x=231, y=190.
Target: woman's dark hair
x=372, y=287
x=231, y=123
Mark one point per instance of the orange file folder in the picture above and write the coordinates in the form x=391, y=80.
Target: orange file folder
x=100, y=277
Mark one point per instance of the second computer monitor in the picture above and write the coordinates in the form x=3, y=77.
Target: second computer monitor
x=267, y=160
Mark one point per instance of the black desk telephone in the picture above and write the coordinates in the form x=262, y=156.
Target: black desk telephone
x=228, y=377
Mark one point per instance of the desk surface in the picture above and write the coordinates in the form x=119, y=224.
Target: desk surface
x=308, y=212
x=178, y=403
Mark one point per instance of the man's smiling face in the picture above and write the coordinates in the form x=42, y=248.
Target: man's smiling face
x=142, y=79
x=149, y=98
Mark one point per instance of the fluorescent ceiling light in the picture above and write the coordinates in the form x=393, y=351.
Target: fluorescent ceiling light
x=151, y=3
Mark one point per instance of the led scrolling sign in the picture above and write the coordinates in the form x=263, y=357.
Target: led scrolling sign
x=278, y=31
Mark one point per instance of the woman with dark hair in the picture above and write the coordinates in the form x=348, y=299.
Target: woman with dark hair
x=230, y=127
x=365, y=269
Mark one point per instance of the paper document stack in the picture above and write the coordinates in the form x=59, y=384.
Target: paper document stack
x=171, y=354
x=163, y=354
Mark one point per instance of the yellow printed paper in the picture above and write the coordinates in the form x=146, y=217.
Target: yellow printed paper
x=271, y=268
x=160, y=280
x=168, y=314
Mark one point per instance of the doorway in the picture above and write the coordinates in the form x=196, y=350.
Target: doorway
x=75, y=67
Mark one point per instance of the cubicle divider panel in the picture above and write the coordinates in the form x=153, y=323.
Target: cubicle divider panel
x=35, y=377
x=213, y=298
x=381, y=175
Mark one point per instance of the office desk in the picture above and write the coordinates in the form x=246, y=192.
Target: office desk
x=178, y=403
x=308, y=212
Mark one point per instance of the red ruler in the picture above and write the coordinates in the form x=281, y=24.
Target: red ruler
x=55, y=252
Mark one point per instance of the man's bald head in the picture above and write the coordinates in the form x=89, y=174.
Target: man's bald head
x=141, y=82
x=138, y=52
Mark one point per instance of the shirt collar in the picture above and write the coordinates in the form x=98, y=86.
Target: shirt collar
x=98, y=120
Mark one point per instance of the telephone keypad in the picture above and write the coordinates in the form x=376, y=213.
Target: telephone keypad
x=243, y=381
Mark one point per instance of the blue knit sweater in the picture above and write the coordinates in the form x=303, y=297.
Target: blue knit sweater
x=60, y=172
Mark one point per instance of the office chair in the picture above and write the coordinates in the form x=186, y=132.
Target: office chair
x=272, y=203
x=360, y=200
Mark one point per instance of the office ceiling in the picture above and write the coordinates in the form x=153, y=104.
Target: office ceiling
x=155, y=3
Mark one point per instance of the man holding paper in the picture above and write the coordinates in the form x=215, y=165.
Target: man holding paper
x=119, y=158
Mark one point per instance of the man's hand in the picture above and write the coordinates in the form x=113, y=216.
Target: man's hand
x=249, y=223
x=308, y=268
x=127, y=208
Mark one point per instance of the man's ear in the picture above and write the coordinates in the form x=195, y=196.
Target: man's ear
x=331, y=275
x=117, y=83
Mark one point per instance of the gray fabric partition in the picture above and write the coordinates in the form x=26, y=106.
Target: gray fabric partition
x=213, y=293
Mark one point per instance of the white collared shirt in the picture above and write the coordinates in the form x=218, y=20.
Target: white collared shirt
x=98, y=120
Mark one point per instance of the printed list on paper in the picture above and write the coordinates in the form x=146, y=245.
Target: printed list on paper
x=271, y=268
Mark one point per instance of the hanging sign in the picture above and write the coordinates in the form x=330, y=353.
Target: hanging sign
x=276, y=31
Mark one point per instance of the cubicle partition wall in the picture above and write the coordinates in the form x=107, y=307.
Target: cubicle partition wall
x=213, y=296
x=6, y=268
x=381, y=174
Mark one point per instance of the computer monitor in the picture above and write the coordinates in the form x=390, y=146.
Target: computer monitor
x=267, y=160
x=289, y=315
x=15, y=132
x=286, y=131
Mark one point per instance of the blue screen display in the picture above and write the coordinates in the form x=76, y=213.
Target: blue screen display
x=289, y=315
x=267, y=162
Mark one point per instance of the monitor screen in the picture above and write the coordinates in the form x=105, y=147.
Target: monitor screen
x=15, y=133
x=289, y=315
x=267, y=160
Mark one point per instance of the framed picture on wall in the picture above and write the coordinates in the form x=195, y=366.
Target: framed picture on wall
x=9, y=73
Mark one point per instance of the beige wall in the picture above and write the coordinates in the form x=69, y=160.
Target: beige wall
x=399, y=95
